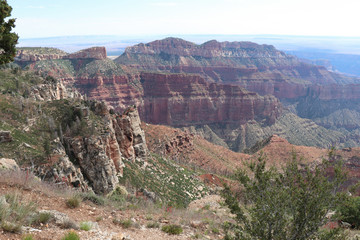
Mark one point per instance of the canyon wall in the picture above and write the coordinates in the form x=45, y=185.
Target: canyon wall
x=181, y=100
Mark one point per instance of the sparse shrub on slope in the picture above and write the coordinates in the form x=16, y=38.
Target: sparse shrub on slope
x=71, y=236
x=73, y=201
x=172, y=229
x=14, y=213
x=92, y=197
x=42, y=218
x=175, y=185
x=28, y=237
x=86, y=226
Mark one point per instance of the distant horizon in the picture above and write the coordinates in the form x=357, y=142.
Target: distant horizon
x=116, y=44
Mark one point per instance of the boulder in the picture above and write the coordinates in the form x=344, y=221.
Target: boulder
x=10, y=164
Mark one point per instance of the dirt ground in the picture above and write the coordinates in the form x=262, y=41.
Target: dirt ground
x=194, y=221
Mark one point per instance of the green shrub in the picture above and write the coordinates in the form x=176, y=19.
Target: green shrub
x=14, y=213
x=69, y=224
x=153, y=225
x=86, y=226
x=92, y=197
x=215, y=230
x=124, y=223
x=119, y=194
x=73, y=201
x=11, y=227
x=71, y=236
x=172, y=229
x=27, y=237
x=42, y=217
x=287, y=204
x=349, y=211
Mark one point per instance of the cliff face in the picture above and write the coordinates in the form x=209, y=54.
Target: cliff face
x=181, y=100
x=97, y=159
x=53, y=91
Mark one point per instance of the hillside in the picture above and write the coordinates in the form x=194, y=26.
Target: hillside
x=59, y=135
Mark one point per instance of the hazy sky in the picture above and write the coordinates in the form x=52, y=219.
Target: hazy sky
x=46, y=18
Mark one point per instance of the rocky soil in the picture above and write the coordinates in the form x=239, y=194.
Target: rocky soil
x=198, y=220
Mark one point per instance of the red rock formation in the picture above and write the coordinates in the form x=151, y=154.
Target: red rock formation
x=181, y=100
x=336, y=92
x=117, y=91
x=259, y=68
x=189, y=149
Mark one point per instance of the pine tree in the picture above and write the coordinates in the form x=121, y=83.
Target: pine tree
x=8, y=40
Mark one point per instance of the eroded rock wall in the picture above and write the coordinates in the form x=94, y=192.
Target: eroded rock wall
x=180, y=100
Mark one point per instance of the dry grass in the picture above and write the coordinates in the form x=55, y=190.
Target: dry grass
x=28, y=181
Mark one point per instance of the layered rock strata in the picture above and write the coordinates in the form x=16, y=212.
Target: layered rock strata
x=259, y=68
x=181, y=100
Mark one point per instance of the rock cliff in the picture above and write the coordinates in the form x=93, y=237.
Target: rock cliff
x=180, y=100
x=95, y=161
x=53, y=91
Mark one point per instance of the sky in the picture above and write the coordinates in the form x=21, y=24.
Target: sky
x=50, y=18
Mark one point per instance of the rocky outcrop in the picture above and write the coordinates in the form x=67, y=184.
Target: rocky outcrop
x=5, y=136
x=131, y=137
x=97, y=158
x=89, y=53
x=100, y=157
x=180, y=100
x=93, y=158
x=38, y=54
x=8, y=164
x=54, y=91
x=61, y=170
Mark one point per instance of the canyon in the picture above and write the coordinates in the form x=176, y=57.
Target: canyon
x=202, y=88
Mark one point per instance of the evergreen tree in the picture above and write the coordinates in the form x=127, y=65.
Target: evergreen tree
x=8, y=40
